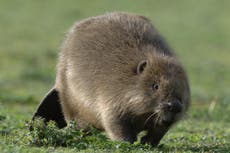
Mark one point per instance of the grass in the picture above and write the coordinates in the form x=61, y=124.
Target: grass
x=32, y=31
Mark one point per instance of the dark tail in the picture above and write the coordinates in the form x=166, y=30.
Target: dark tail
x=50, y=109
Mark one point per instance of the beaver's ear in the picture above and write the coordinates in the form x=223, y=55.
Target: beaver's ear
x=50, y=109
x=141, y=66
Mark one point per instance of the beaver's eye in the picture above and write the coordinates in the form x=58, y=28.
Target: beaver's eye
x=155, y=86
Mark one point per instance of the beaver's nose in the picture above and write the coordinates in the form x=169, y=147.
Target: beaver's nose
x=174, y=107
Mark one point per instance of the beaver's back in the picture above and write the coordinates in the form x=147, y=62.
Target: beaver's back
x=110, y=46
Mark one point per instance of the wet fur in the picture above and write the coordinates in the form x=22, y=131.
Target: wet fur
x=98, y=83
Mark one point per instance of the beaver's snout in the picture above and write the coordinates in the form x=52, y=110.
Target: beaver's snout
x=174, y=107
x=171, y=109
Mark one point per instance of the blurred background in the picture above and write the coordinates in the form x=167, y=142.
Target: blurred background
x=31, y=33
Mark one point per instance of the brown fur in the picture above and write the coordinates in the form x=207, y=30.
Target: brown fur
x=99, y=85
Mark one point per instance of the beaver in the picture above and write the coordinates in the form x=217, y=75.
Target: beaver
x=117, y=73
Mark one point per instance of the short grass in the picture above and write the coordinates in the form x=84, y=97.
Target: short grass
x=32, y=31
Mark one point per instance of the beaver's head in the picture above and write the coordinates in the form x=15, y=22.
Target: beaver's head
x=161, y=90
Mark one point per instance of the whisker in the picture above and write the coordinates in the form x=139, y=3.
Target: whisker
x=150, y=116
x=157, y=120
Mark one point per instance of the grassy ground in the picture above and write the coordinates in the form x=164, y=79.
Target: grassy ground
x=32, y=31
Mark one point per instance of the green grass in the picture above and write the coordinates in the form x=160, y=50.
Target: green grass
x=31, y=34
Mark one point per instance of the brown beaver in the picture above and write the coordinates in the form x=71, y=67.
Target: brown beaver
x=117, y=73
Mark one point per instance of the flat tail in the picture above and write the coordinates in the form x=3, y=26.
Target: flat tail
x=50, y=109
